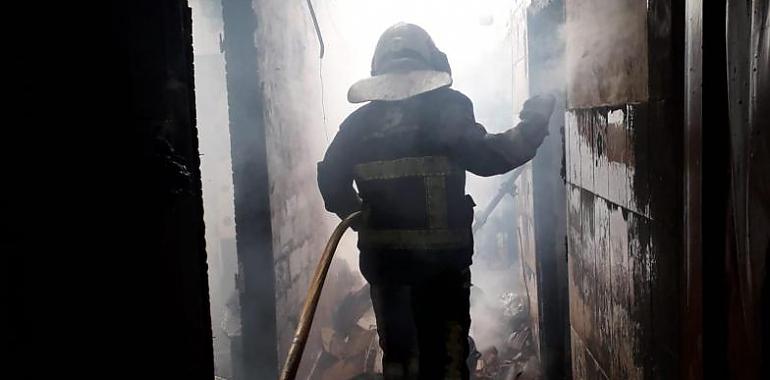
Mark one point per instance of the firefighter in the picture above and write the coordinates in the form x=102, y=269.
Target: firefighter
x=407, y=150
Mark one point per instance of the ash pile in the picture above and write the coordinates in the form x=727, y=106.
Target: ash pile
x=504, y=348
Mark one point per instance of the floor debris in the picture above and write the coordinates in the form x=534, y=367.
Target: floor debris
x=351, y=350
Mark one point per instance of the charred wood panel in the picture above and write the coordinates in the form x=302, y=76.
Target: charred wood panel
x=546, y=74
x=625, y=161
x=585, y=142
x=609, y=245
x=748, y=101
x=692, y=321
x=605, y=148
x=626, y=334
x=623, y=256
x=162, y=244
x=666, y=21
x=666, y=234
x=576, y=263
x=618, y=157
x=603, y=345
x=637, y=171
x=584, y=365
x=598, y=121
x=572, y=149
x=640, y=296
x=587, y=251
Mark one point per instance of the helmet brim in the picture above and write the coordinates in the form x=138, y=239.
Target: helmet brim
x=397, y=86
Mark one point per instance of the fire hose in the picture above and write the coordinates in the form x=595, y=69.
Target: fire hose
x=301, y=334
x=290, y=367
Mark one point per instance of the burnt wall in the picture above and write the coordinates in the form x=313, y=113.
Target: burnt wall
x=748, y=198
x=253, y=350
x=296, y=139
x=164, y=312
x=623, y=150
x=546, y=66
x=279, y=111
x=692, y=308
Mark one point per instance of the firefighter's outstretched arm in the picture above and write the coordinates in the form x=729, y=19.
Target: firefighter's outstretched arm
x=488, y=154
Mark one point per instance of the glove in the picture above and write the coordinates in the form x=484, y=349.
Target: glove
x=534, y=115
x=538, y=109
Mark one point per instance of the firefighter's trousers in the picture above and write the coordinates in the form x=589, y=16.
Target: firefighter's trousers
x=423, y=327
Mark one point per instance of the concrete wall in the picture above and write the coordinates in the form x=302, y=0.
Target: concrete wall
x=623, y=167
x=278, y=134
x=291, y=112
x=296, y=140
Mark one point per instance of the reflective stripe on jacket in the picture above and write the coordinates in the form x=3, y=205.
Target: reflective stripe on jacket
x=408, y=160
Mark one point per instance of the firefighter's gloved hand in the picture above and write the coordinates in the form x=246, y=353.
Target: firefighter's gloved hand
x=356, y=225
x=538, y=108
x=358, y=222
x=534, y=115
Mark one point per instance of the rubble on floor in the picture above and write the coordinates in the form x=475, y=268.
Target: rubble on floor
x=351, y=347
x=515, y=357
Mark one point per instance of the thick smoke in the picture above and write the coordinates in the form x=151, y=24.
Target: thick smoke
x=476, y=37
x=216, y=175
x=608, y=69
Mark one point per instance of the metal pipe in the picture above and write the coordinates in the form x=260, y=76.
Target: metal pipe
x=317, y=29
x=506, y=187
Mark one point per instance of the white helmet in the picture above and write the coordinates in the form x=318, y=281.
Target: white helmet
x=406, y=63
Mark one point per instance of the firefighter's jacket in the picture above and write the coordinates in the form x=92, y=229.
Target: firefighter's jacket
x=408, y=161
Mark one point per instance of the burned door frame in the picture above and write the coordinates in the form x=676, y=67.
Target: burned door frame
x=692, y=276
x=747, y=249
x=254, y=354
x=165, y=320
x=546, y=68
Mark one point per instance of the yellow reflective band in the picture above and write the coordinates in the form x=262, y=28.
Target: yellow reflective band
x=404, y=167
x=435, y=194
x=432, y=239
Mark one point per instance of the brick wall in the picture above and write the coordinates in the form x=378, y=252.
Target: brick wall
x=296, y=141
